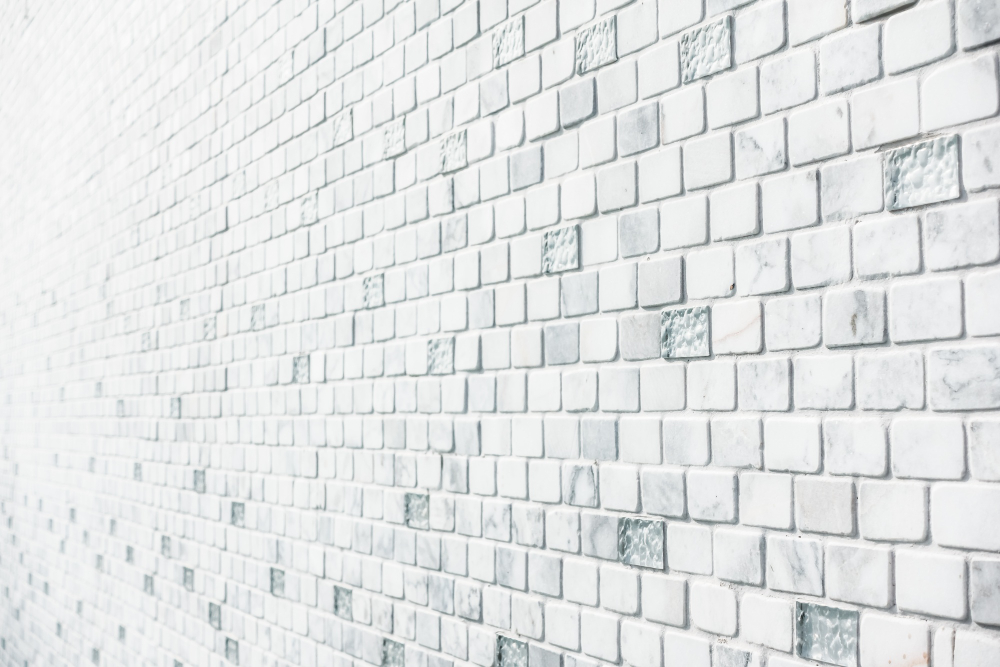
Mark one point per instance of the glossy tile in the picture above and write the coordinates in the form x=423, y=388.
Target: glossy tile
x=922, y=173
x=684, y=333
x=707, y=49
x=826, y=634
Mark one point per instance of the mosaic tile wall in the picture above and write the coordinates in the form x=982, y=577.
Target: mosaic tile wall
x=509, y=333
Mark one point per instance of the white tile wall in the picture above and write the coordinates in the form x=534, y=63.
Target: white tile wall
x=332, y=333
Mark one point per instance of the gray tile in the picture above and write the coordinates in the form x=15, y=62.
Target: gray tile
x=189, y=579
x=639, y=232
x=453, y=152
x=373, y=287
x=562, y=343
x=215, y=615
x=394, y=138
x=561, y=249
x=175, y=407
x=684, y=333
x=543, y=657
x=922, y=173
x=199, y=481
x=393, y=653
x=640, y=542
x=599, y=438
x=277, y=582
x=342, y=603
x=826, y=634
x=511, y=652
x=508, y=42
x=232, y=651
x=418, y=510
x=237, y=514
x=300, y=369
x=638, y=129
x=707, y=50
x=441, y=356
x=597, y=45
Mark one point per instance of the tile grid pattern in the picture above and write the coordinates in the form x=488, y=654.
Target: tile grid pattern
x=517, y=333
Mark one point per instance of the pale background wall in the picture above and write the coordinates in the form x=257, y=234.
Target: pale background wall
x=331, y=331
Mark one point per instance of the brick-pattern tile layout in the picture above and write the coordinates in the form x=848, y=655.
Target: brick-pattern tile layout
x=505, y=333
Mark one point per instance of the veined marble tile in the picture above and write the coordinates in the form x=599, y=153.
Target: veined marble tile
x=453, y=152
x=597, y=45
x=922, y=173
x=257, y=317
x=684, y=333
x=727, y=656
x=374, y=290
x=640, y=542
x=561, y=249
x=199, y=481
x=707, y=49
x=342, y=603
x=300, y=369
x=394, y=138
x=393, y=653
x=508, y=42
x=343, y=128
x=441, y=356
x=827, y=634
x=208, y=328
x=417, y=510
x=511, y=652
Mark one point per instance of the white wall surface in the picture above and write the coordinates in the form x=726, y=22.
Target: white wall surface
x=518, y=333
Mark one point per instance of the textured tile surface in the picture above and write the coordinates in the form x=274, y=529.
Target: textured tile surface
x=393, y=654
x=826, y=634
x=441, y=356
x=640, y=542
x=394, y=139
x=707, y=49
x=300, y=369
x=508, y=42
x=361, y=332
x=597, y=45
x=561, y=250
x=511, y=652
x=343, y=128
x=922, y=173
x=453, y=151
x=342, y=603
x=684, y=332
x=277, y=582
x=417, y=510
x=374, y=290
